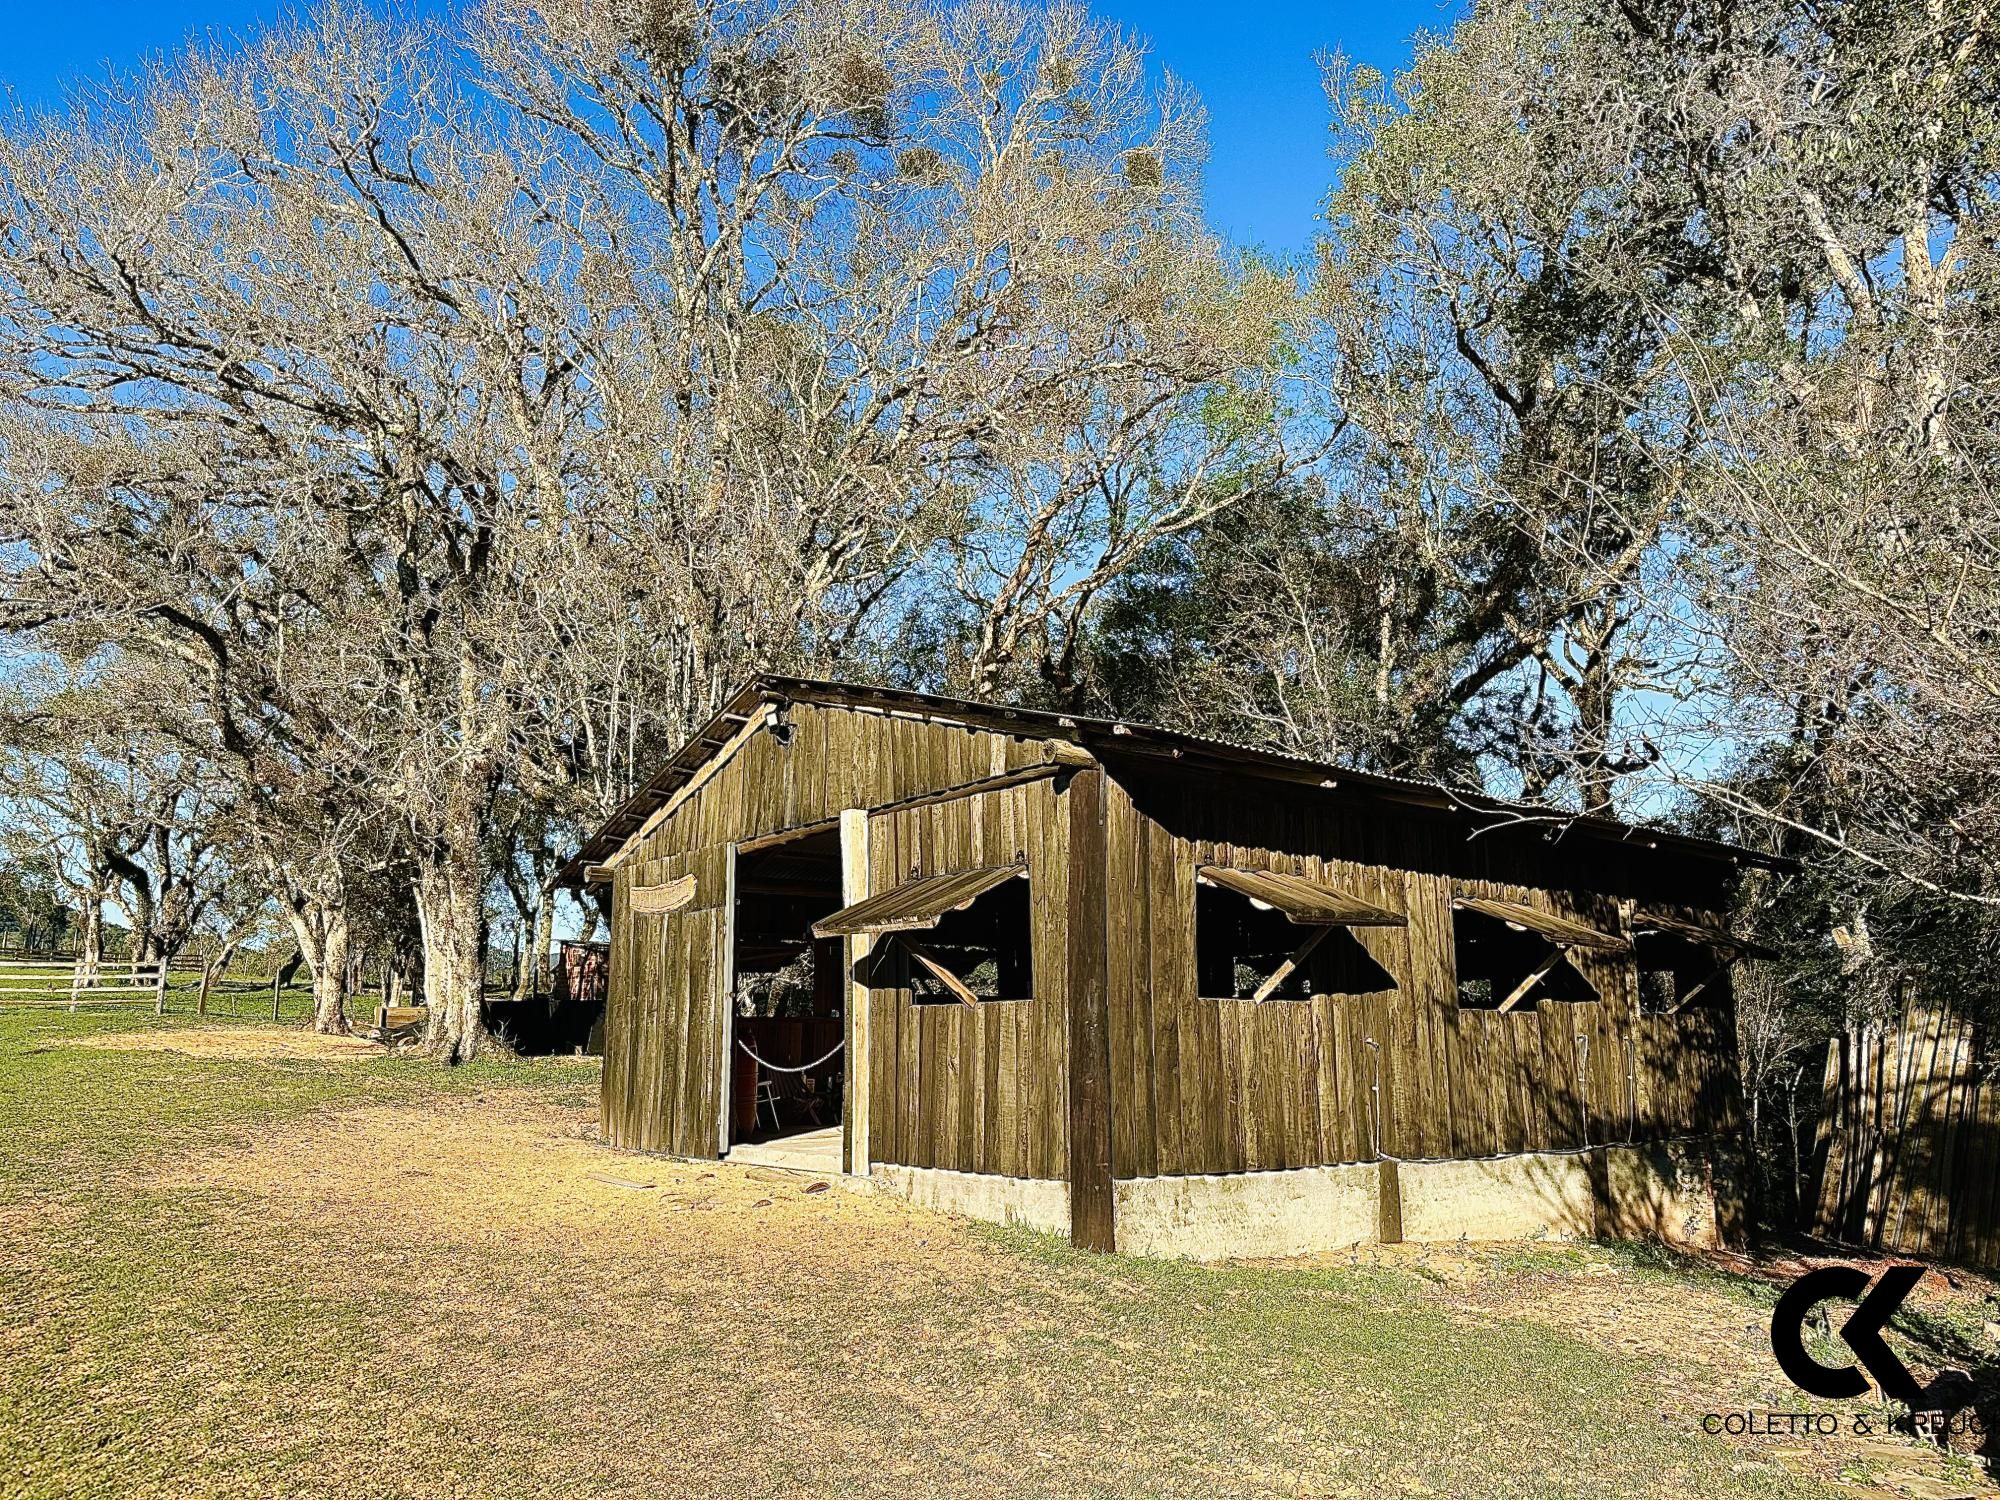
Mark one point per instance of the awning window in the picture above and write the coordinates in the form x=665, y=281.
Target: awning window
x=917, y=904
x=1710, y=935
x=1262, y=935
x=1310, y=903
x=1562, y=931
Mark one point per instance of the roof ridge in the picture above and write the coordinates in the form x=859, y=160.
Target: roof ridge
x=1137, y=737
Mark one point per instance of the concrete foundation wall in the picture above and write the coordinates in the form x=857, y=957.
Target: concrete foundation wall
x=1662, y=1190
x=1033, y=1202
x=1249, y=1213
x=1502, y=1198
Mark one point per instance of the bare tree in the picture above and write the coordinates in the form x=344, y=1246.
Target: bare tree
x=464, y=439
x=126, y=815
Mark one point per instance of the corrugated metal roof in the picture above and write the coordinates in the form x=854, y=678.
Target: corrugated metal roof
x=1109, y=737
x=1556, y=929
x=1707, y=934
x=1308, y=902
x=918, y=903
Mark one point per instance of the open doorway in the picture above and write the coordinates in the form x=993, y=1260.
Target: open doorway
x=788, y=1062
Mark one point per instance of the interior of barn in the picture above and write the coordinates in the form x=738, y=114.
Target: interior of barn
x=788, y=1068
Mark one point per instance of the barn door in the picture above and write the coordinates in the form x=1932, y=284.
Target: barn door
x=664, y=1042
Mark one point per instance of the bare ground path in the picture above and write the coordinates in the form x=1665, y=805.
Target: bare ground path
x=248, y=1272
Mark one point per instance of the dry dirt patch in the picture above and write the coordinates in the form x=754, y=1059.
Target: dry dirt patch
x=675, y=1328
x=643, y=1326
x=502, y=1168
x=235, y=1043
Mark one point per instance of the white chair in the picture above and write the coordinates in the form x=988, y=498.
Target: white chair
x=767, y=1098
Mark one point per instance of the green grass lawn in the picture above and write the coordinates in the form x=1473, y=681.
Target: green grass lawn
x=232, y=1275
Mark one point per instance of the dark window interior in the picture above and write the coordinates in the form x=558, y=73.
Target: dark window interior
x=988, y=948
x=780, y=892
x=1239, y=945
x=1675, y=972
x=1493, y=959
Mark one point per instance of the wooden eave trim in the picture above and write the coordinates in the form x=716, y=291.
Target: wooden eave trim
x=724, y=753
x=1063, y=758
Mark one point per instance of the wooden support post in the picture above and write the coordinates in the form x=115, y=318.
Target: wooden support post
x=1682, y=1002
x=1089, y=1018
x=724, y=964
x=854, y=953
x=1389, y=1204
x=935, y=967
x=1520, y=991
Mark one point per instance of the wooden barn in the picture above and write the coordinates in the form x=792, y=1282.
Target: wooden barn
x=1165, y=994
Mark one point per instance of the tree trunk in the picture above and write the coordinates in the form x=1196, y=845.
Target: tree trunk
x=321, y=930
x=330, y=981
x=531, y=962
x=214, y=969
x=90, y=953
x=538, y=950
x=142, y=911
x=451, y=910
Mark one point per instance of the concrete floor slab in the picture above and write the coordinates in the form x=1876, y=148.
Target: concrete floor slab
x=809, y=1151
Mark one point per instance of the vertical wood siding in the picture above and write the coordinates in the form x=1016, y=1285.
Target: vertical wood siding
x=1219, y=1086
x=1196, y=1086
x=1911, y=1134
x=663, y=1018
x=977, y=1089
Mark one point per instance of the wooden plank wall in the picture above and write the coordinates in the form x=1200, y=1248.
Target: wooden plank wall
x=985, y=1089
x=663, y=1012
x=663, y=1020
x=1218, y=1086
x=1911, y=1126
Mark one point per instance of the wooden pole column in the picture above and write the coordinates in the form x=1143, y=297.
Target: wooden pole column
x=722, y=968
x=854, y=950
x=1090, y=1203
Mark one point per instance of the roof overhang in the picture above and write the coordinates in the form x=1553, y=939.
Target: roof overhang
x=1109, y=739
x=1562, y=931
x=917, y=904
x=1711, y=935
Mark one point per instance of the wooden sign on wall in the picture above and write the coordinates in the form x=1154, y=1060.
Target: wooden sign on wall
x=656, y=900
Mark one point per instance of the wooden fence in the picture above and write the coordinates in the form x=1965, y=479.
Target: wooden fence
x=50, y=983
x=1910, y=1141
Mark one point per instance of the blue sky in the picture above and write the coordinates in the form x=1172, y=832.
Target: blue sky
x=1253, y=64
